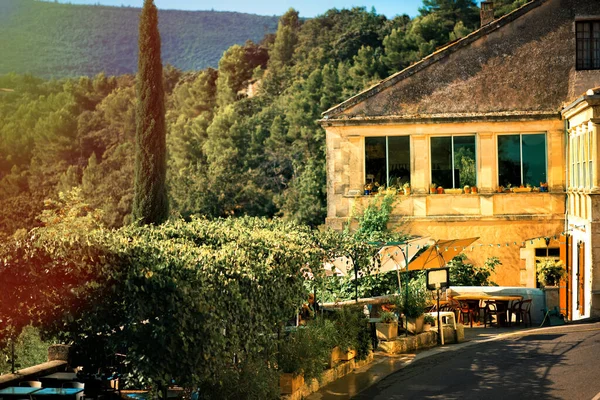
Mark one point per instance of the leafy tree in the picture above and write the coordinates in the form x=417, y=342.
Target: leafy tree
x=466, y=274
x=150, y=203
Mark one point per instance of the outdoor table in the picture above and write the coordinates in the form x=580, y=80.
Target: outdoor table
x=57, y=379
x=17, y=391
x=442, y=314
x=59, y=392
x=503, y=300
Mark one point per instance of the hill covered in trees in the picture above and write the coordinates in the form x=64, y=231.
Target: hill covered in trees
x=229, y=153
x=53, y=40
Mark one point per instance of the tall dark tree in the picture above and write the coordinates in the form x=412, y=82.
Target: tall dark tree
x=150, y=204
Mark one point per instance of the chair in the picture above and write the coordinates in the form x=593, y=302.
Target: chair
x=465, y=311
x=525, y=311
x=492, y=309
x=35, y=384
x=514, y=309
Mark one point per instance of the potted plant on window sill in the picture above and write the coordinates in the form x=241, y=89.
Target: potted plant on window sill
x=433, y=188
x=543, y=186
x=474, y=189
x=467, y=189
x=406, y=188
x=453, y=191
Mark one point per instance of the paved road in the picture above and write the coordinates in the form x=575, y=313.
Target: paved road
x=553, y=363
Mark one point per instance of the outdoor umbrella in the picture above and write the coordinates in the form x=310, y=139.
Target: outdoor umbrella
x=438, y=254
x=394, y=256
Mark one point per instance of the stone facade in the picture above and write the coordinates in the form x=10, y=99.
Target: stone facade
x=513, y=76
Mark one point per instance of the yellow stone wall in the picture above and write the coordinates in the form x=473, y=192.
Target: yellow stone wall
x=494, y=217
x=583, y=206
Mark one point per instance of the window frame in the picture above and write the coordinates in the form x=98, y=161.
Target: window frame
x=452, y=136
x=387, y=157
x=520, y=134
x=580, y=55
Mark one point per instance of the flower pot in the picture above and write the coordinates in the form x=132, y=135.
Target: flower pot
x=473, y=189
x=415, y=325
x=386, y=331
x=467, y=190
x=432, y=190
x=440, y=190
x=406, y=191
x=288, y=383
x=426, y=327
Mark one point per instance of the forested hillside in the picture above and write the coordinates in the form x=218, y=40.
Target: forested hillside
x=229, y=153
x=53, y=40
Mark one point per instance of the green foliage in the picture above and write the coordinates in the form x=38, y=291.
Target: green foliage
x=30, y=350
x=306, y=350
x=387, y=317
x=466, y=274
x=150, y=203
x=429, y=319
x=550, y=272
x=414, y=298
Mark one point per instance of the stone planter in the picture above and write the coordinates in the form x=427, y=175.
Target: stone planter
x=288, y=383
x=386, y=331
x=426, y=327
x=415, y=325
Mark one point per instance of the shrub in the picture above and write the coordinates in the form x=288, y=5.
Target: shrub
x=387, y=317
x=550, y=272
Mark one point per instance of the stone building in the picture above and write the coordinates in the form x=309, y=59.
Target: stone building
x=513, y=103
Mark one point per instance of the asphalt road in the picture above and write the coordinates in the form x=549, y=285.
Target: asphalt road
x=552, y=363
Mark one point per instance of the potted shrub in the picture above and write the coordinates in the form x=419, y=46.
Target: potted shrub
x=440, y=190
x=433, y=188
x=387, y=328
x=543, y=186
x=428, y=322
x=467, y=189
x=413, y=306
x=473, y=189
x=368, y=188
x=406, y=188
x=550, y=272
x=302, y=354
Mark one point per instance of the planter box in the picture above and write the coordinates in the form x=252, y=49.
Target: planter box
x=415, y=325
x=521, y=190
x=386, y=331
x=426, y=327
x=338, y=355
x=453, y=191
x=288, y=383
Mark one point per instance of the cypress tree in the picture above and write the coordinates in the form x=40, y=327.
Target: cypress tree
x=150, y=204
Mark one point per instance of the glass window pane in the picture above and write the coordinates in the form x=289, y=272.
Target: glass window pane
x=375, y=160
x=534, y=159
x=441, y=161
x=464, y=161
x=509, y=160
x=399, y=164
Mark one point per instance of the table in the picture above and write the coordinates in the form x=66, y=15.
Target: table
x=503, y=300
x=57, y=379
x=59, y=392
x=443, y=314
x=15, y=391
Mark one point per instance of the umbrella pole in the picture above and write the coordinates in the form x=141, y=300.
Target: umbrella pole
x=406, y=291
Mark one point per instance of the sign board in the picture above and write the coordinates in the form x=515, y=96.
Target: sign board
x=438, y=278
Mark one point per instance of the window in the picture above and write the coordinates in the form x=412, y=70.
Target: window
x=387, y=160
x=588, y=45
x=522, y=159
x=453, y=161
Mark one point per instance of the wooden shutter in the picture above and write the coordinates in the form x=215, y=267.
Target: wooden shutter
x=566, y=251
x=581, y=277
